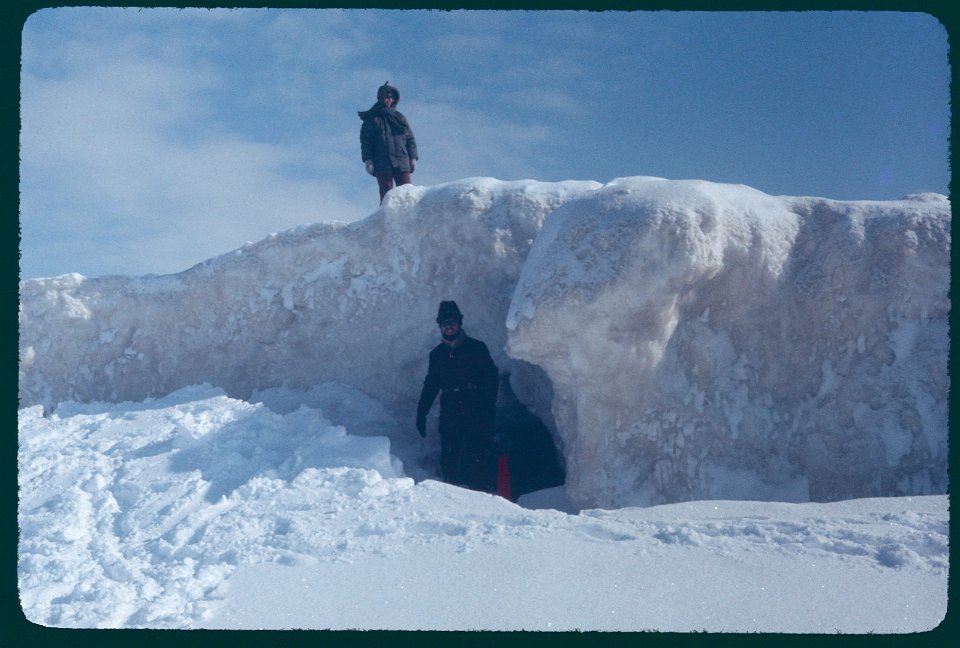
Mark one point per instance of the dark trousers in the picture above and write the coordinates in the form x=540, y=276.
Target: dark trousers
x=466, y=457
x=386, y=180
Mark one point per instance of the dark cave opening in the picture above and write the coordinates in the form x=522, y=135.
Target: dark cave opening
x=535, y=463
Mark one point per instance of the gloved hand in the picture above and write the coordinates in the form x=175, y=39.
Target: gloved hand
x=368, y=165
x=413, y=165
x=422, y=425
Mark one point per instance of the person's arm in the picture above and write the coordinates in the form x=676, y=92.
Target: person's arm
x=431, y=387
x=412, y=149
x=367, y=134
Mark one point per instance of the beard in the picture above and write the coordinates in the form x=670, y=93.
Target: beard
x=451, y=338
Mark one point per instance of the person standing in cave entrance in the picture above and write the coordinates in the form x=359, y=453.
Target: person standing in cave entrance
x=387, y=145
x=462, y=371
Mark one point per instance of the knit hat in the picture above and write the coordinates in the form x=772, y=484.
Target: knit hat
x=388, y=90
x=449, y=310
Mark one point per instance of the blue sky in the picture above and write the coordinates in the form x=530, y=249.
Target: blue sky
x=154, y=139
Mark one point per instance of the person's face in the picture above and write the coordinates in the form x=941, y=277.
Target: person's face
x=449, y=327
x=388, y=101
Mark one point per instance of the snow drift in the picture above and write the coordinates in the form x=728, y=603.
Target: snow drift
x=196, y=510
x=333, y=302
x=683, y=340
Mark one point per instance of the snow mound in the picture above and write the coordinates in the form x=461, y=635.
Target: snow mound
x=131, y=514
x=708, y=341
x=332, y=302
x=681, y=339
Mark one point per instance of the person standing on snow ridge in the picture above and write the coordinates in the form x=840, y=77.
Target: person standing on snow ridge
x=461, y=369
x=387, y=145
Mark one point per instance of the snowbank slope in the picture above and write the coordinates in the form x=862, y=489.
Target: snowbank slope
x=692, y=340
x=352, y=303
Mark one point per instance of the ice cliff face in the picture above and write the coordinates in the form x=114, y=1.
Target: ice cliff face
x=709, y=341
x=351, y=303
x=684, y=339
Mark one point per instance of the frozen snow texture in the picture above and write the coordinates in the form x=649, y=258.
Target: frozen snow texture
x=196, y=510
x=683, y=340
x=709, y=341
x=350, y=303
x=133, y=514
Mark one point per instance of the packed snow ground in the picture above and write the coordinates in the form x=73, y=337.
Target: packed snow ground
x=196, y=510
x=681, y=340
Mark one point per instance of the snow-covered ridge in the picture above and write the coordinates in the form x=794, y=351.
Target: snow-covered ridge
x=352, y=303
x=685, y=340
x=709, y=341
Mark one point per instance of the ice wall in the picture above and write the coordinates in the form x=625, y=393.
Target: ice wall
x=710, y=341
x=682, y=339
x=350, y=303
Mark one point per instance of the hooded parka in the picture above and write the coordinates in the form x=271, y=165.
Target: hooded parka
x=385, y=136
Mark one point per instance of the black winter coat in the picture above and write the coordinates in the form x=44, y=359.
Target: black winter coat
x=467, y=379
x=386, y=140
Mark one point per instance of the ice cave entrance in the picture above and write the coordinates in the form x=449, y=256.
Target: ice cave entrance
x=535, y=461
